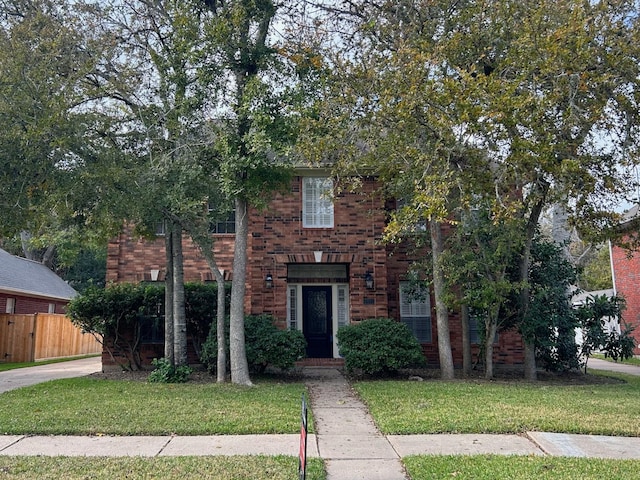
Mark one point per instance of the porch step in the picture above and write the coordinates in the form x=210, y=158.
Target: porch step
x=320, y=362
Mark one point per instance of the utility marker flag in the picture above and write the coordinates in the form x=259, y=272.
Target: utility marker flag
x=302, y=460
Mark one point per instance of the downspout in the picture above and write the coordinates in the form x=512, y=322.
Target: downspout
x=613, y=271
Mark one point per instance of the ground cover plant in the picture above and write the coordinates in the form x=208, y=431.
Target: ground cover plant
x=90, y=406
x=610, y=407
x=165, y=468
x=489, y=467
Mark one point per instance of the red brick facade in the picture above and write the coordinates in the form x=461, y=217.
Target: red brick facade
x=626, y=277
x=293, y=256
x=27, y=305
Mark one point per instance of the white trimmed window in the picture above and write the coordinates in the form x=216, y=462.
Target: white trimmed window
x=52, y=308
x=317, y=202
x=11, y=306
x=415, y=313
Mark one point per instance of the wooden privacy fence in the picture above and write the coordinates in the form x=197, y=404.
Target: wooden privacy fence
x=28, y=338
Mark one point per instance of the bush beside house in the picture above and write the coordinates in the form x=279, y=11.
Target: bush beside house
x=130, y=316
x=379, y=346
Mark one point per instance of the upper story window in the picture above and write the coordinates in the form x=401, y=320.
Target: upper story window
x=317, y=202
x=228, y=225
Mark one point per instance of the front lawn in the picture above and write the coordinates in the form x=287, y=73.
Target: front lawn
x=90, y=406
x=503, y=407
x=165, y=468
x=488, y=467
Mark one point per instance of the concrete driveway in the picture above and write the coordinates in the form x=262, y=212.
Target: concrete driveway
x=23, y=377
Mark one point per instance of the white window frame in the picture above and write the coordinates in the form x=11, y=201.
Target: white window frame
x=52, y=308
x=10, y=306
x=317, y=202
x=416, y=314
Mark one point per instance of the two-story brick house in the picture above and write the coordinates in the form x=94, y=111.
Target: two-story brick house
x=315, y=262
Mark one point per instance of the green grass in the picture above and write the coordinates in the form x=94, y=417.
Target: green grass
x=88, y=406
x=492, y=407
x=11, y=366
x=519, y=468
x=165, y=468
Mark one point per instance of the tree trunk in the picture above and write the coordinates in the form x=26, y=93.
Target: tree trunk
x=237, y=351
x=530, y=367
x=490, y=334
x=168, y=298
x=442, y=315
x=466, y=341
x=221, y=334
x=179, y=315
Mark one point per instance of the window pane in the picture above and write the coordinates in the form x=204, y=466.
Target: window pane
x=415, y=313
x=317, y=202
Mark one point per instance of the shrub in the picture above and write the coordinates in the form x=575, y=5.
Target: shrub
x=209, y=351
x=121, y=311
x=620, y=346
x=266, y=345
x=164, y=372
x=379, y=346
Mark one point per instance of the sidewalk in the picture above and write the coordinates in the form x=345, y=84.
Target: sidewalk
x=346, y=438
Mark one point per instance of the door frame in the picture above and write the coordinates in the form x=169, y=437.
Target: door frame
x=340, y=311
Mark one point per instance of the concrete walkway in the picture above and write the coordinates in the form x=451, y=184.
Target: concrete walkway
x=346, y=436
x=23, y=377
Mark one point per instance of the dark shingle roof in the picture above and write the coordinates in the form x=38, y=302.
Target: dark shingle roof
x=26, y=277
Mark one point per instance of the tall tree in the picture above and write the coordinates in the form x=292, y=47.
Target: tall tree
x=522, y=103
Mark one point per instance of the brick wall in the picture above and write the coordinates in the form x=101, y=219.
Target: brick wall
x=627, y=277
x=28, y=305
x=277, y=239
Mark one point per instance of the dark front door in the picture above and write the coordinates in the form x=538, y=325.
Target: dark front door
x=316, y=321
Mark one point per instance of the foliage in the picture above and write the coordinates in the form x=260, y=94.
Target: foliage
x=596, y=273
x=480, y=265
x=620, y=346
x=209, y=351
x=458, y=101
x=550, y=320
x=165, y=372
x=379, y=346
x=266, y=345
x=119, y=311
x=592, y=316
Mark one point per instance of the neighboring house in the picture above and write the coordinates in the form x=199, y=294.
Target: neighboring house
x=28, y=287
x=610, y=324
x=625, y=267
x=315, y=262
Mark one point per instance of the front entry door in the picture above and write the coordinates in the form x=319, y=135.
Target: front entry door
x=316, y=321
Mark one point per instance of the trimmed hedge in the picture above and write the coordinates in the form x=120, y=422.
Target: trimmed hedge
x=379, y=346
x=266, y=345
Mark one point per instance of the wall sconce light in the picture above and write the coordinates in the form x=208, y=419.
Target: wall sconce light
x=368, y=280
x=268, y=281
